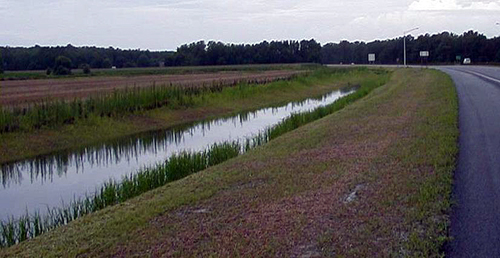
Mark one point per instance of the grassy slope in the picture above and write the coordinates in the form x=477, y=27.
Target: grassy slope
x=394, y=148
x=16, y=146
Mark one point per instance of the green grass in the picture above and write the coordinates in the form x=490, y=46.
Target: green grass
x=437, y=147
x=17, y=230
x=399, y=142
x=53, y=114
x=77, y=73
x=96, y=127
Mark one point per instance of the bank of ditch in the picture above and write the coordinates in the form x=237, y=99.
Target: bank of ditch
x=63, y=126
x=371, y=180
x=180, y=165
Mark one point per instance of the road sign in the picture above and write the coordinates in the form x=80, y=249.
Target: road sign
x=371, y=57
x=424, y=53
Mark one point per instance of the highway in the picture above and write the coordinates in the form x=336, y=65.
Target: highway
x=475, y=217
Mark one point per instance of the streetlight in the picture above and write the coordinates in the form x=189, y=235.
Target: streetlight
x=404, y=42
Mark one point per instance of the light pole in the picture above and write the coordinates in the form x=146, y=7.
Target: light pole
x=404, y=42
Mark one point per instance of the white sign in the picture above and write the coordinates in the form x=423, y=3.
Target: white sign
x=371, y=57
x=424, y=53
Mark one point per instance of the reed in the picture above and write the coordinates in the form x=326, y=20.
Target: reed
x=176, y=167
x=57, y=113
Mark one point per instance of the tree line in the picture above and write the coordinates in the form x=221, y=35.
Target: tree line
x=443, y=47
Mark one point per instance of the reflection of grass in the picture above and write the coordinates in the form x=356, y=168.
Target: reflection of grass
x=178, y=166
x=96, y=128
x=399, y=142
x=175, y=168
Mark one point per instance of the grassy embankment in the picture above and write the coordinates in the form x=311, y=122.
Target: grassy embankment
x=95, y=125
x=178, y=166
x=77, y=73
x=373, y=179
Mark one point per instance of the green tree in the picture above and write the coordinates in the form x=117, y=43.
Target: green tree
x=86, y=68
x=106, y=63
x=143, y=61
x=62, y=66
x=1, y=63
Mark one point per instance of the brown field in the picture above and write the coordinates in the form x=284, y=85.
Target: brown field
x=20, y=93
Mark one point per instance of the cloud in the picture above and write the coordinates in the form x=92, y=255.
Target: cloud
x=165, y=24
x=453, y=5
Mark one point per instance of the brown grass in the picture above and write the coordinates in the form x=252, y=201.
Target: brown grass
x=24, y=92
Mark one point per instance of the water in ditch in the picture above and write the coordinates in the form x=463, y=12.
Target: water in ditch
x=47, y=181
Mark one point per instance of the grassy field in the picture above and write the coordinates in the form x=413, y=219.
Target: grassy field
x=94, y=129
x=76, y=73
x=372, y=180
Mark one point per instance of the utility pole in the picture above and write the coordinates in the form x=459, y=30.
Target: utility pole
x=404, y=43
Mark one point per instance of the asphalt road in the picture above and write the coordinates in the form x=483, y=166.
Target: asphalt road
x=475, y=218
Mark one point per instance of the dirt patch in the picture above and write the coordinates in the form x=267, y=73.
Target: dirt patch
x=18, y=93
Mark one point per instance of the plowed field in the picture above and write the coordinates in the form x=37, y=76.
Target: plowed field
x=20, y=93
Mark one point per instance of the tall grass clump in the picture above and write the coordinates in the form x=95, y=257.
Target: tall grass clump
x=119, y=102
x=176, y=167
x=57, y=113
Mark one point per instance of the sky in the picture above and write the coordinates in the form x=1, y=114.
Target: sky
x=166, y=24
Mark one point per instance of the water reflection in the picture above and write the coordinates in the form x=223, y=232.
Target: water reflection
x=46, y=181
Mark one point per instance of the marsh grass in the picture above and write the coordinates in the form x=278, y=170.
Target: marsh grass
x=176, y=167
x=50, y=114
x=113, y=192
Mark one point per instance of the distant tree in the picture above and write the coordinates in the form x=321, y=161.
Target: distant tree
x=48, y=71
x=86, y=68
x=310, y=51
x=32, y=66
x=130, y=65
x=62, y=66
x=106, y=63
x=143, y=61
x=120, y=61
x=1, y=63
x=443, y=47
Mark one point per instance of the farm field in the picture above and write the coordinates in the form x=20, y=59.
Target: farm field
x=25, y=92
x=371, y=180
x=246, y=97
x=78, y=73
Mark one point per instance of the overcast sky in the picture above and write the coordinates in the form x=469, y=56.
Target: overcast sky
x=166, y=24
